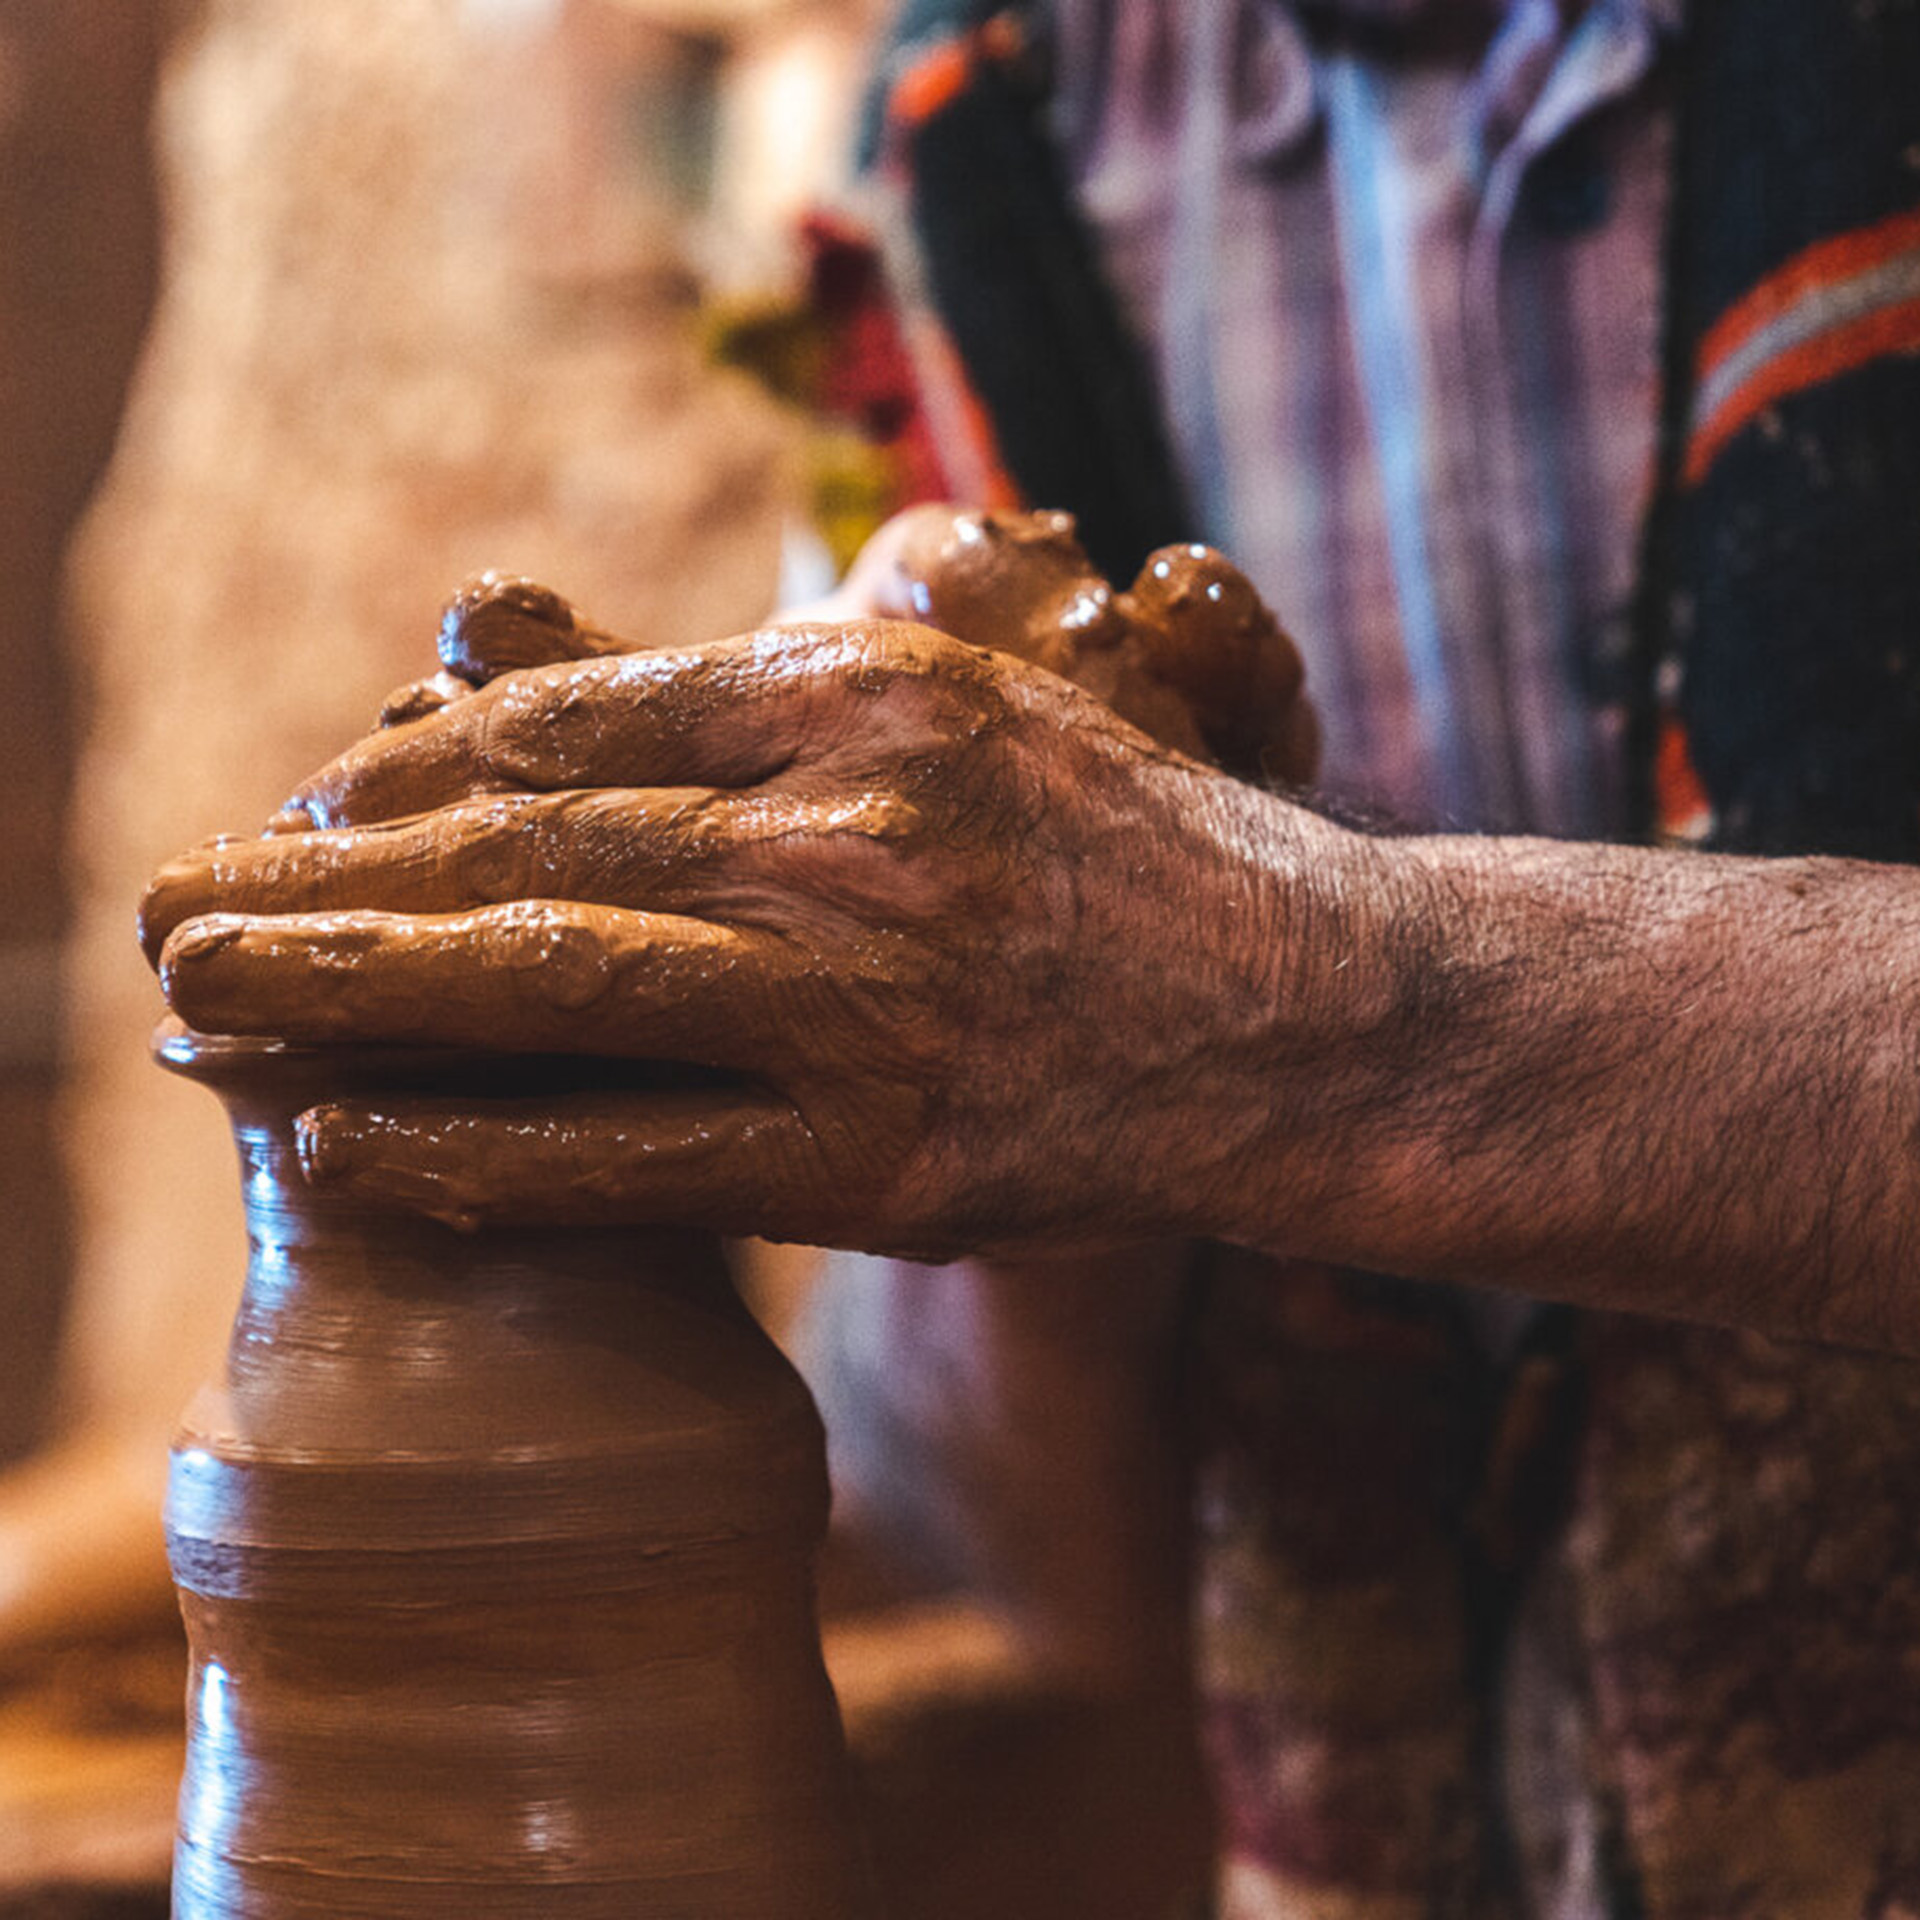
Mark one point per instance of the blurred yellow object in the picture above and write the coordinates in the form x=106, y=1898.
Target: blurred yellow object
x=781, y=341
x=853, y=486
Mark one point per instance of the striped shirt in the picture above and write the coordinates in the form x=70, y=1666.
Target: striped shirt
x=1404, y=300
x=1404, y=304
x=1573, y=1626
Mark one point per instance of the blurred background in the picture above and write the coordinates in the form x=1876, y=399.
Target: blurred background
x=307, y=313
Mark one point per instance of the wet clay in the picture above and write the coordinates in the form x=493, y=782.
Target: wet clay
x=495, y=1555
x=1189, y=653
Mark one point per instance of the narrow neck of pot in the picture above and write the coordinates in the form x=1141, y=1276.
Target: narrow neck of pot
x=374, y=1334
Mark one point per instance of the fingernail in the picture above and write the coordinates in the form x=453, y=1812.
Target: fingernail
x=329, y=1142
x=152, y=922
x=569, y=967
x=413, y=702
x=290, y=819
x=194, y=941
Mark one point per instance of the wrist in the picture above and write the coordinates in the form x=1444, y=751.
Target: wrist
x=1338, y=1083
x=1653, y=1082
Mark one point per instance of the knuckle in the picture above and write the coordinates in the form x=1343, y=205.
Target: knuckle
x=888, y=817
x=415, y=701
x=869, y=818
x=514, y=736
x=657, y=851
x=906, y=687
x=535, y=726
x=556, y=953
x=704, y=824
x=497, y=849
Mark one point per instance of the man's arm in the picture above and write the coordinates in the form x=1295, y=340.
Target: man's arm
x=1663, y=1082
x=970, y=965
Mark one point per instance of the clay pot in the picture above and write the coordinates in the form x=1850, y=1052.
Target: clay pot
x=495, y=1551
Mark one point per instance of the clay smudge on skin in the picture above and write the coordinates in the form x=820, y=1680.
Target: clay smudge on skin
x=498, y=622
x=1189, y=653
x=528, y=976
x=687, y=1158
x=874, y=794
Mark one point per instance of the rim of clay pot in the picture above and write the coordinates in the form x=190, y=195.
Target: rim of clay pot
x=221, y=1059
x=258, y=1062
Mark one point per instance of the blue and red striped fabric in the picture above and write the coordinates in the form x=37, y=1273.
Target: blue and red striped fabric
x=1840, y=305
x=1787, y=567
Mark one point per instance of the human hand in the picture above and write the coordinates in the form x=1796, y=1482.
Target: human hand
x=981, y=966
x=494, y=624
x=1190, y=653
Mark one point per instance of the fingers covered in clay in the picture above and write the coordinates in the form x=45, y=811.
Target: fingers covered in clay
x=533, y=976
x=612, y=845
x=941, y=904
x=729, y=714
x=420, y=698
x=991, y=576
x=676, y=850
x=499, y=622
x=1208, y=634
x=1190, y=653
x=740, y=1159
x=496, y=624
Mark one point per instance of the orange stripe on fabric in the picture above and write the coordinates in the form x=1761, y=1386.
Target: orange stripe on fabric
x=1890, y=330
x=964, y=440
x=1682, y=807
x=932, y=82
x=1831, y=260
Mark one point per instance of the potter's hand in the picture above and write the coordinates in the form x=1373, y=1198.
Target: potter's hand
x=1189, y=653
x=983, y=963
x=496, y=623
x=991, y=970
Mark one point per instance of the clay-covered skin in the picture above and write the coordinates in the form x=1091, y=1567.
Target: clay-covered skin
x=1190, y=653
x=493, y=624
x=980, y=966
x=848, y=867
x=767, y=858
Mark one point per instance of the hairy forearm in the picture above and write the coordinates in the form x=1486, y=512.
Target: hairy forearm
x=975, y=967
x=1670, y=1083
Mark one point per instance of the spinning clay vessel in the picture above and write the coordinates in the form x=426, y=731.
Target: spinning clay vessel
x=495, y=1552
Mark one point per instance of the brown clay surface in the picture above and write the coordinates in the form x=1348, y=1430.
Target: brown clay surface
x=1189, y=653
x=495, y=1553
